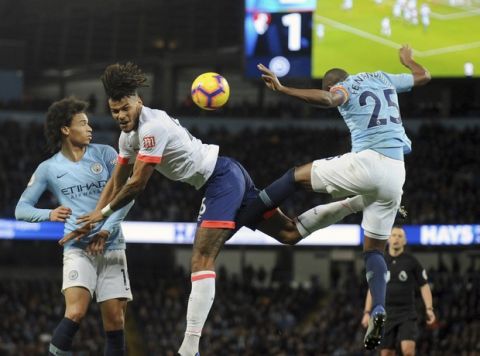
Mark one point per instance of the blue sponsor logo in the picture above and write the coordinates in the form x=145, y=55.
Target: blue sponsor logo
x=93, y=188
x=449, y=234
x=184, y=233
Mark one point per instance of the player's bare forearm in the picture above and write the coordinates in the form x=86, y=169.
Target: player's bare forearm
x=114, y=185
x=142, y=171
x=427, y=296
x=106, y=196
x=128, y=193
x=312, y=96
x=367, y=310
x=428, y=301
x=421, y=75
x=368, y=302
x=319, y=97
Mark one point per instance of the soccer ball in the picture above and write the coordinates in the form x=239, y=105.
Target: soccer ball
x=210, y=91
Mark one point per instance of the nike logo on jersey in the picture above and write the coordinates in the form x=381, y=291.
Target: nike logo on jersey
x=61, y=175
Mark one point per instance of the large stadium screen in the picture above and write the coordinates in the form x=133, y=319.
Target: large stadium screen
x=303, y=38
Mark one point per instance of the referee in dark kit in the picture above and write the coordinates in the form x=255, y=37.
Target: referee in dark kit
x=405, y=275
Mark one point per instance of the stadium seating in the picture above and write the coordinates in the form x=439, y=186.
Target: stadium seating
x=254, y=313
x=441, y=186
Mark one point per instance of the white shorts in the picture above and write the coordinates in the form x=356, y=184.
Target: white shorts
x=377, y=178
x=105, y=275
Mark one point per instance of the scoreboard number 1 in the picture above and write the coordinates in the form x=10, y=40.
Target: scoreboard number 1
x=293, y=22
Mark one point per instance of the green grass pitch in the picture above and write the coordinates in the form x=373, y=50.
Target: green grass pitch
x=353, y=39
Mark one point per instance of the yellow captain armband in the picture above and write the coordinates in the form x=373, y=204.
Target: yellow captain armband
x=339, y=88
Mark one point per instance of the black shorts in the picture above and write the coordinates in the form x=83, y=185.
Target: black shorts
x=399, y=331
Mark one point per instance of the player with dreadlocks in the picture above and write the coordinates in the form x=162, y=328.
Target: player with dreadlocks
x=152, y=140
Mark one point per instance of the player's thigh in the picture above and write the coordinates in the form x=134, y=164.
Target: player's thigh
x=281, y=228
x=79, y=270
x=224, y=195
x=113, y=313
x=303, y=176
x=379, y=217
x=113, y=281
x=392, y=173
x=77, y=300
x=342, y=176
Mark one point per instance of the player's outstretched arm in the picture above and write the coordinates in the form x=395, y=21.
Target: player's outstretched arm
x=26, y=210
x=319, y=97
x=142, y=171
x=421, y=75
x=141, y=174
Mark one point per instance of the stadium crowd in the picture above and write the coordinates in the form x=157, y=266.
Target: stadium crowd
x=442, y=185
x=30, y=310
x=461, y=103
x=255, y=313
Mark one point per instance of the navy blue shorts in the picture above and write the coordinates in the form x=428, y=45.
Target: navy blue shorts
x=228, y=189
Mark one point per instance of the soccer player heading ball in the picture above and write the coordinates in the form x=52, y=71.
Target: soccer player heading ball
x=151, y=141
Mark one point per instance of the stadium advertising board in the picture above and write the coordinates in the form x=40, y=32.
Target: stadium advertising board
x=183, y=233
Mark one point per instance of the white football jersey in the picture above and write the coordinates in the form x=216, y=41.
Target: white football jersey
x=162, y=140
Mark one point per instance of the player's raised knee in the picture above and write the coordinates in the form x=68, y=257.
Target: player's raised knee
x=303, y=175
x=114, y=321
x=290, y=237
x=75, y=314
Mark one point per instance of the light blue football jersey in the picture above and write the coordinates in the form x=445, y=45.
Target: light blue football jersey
x=76, y=185
x=372, y=114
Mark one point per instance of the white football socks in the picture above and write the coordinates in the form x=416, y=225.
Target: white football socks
x=199, y=304
x=325, y=215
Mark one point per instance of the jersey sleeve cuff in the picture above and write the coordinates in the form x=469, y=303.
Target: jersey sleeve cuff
x=149, y=159
x=46, y=213
x=123, y=160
